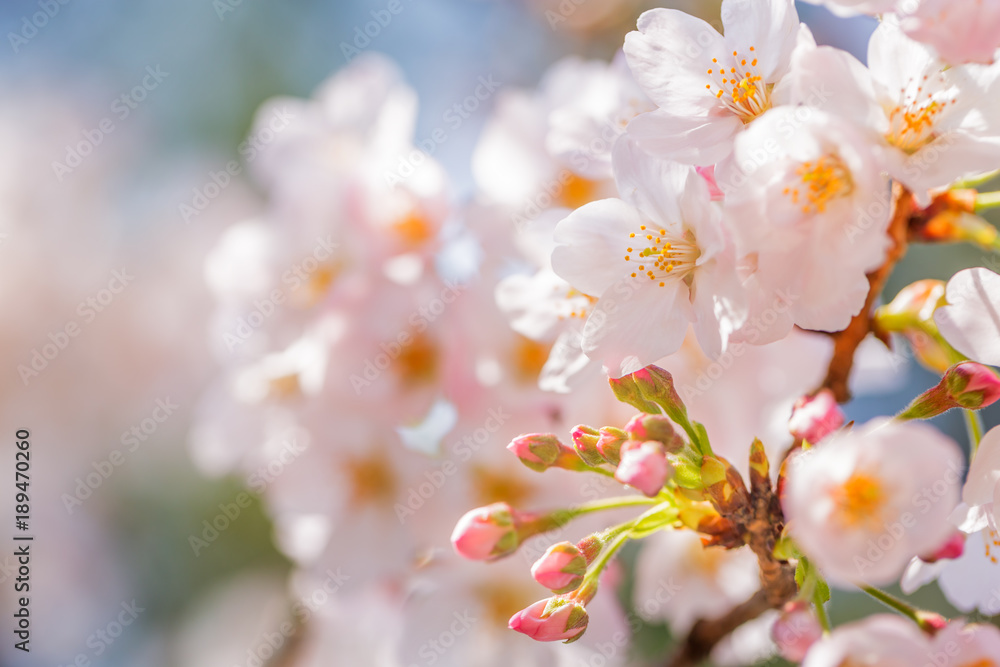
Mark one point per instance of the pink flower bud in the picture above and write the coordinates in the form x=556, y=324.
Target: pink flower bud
x=585, y=442
x=643, y=466
x=551, y=620
x=610, y=444
x=973, y=385
x=561, y=569
x=486, y=533
x=952, y=549
x=966, y=385
x=931, y=623
x=796, y=630
x=815, y=417
x=644, y=427
x=537, y=451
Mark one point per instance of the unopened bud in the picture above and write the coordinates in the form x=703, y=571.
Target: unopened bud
x=552, y=620
x=932, y=623
x=815, y=417
x=657, y=385
x=585, y=441
x=972, y=385
x=486, y=533
x=796, y=630
x=966, y=385
x=645, y=427
x=610, y=443
x=543, y=451
x=561, y=568
x=911, y=314
x=643, y=466
x=537, y=451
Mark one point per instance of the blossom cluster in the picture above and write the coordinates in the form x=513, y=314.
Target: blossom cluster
x=724, y=192
x=708, y=221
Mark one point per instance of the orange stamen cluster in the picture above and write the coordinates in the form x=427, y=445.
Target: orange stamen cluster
x=740, y=87
x=823, y=181
x=911, y=124
x=663, y=255
x=992, y=541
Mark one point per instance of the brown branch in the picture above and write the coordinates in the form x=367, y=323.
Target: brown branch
x=846, y=342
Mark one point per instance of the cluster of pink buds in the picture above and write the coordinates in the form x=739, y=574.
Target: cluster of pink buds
x=662, y=454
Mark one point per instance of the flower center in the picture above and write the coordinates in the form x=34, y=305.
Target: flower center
x=493, y=484
x=371, y=478
x=822, y=181
x=414, y=229
x=529, y=359
x=911, y=124
x=417, y=363
x=860, y=500
x=741, y=88
x=577, y=191
x=660, y=256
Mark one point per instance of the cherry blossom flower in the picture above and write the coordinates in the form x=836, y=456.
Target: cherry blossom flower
x=707, y=86
x=862, y=504
x=934, y=123
x=970, y=321
x=658, y=259
x=811, y=209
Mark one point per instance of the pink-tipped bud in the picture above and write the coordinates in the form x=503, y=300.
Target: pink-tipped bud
x=796, y=630
x=551, y=620
x=561, y=569
x=585, y=442
x=541, y=451
x=973, y=386
x=932, y=623
x=708, y=173
x=644, y=427
x=610, y=443
x=486, y=533
x=643, y=466
x=953, y=548
x=966, y=385
x=815, y=417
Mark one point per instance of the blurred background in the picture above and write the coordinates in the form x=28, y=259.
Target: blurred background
x=117, y=117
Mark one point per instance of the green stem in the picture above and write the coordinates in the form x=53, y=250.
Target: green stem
x=822, y=617
x=891, y=601
x=975, y=181
x=974, y=425
x=612, y=503
x=987, y=200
